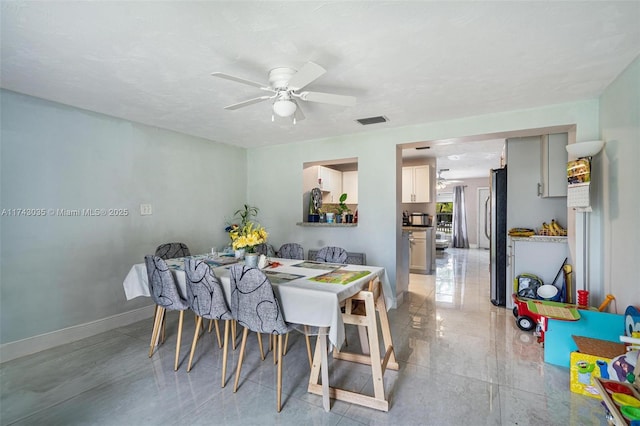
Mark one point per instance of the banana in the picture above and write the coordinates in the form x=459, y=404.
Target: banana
x=559, y=229
x=553, y=229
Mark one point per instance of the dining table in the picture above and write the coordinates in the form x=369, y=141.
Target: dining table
x=310, y=293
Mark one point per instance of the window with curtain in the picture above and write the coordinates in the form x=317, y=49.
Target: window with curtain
x=459, y=225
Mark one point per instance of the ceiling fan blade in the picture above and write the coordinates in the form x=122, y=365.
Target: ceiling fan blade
x=308, y=73
x=248, y=102
x=445, y=182
x=298, y=114
x=328, y=98
x=238, y=79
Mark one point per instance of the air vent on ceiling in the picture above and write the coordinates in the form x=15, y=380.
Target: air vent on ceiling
x=372, y=120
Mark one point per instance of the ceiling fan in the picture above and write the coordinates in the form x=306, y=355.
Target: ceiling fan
x=285, y=85
x=441, y=183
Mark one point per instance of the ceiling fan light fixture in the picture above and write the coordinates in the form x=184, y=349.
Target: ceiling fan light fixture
x=284, y=107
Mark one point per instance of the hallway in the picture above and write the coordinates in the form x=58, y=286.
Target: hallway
x=462, y=362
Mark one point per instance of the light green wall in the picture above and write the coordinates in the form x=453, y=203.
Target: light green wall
x=275, y=185
x=55, y=156
x=275, y=175
x=617, y=269
x=63, y=271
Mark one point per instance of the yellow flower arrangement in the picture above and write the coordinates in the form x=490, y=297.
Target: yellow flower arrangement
x=248, y=236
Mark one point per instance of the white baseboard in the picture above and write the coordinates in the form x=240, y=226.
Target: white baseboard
x=473, y=246
x=30, y=345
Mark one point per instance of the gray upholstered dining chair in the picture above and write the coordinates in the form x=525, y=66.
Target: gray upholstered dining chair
x=172, y=250
x=255, y=307
x=332, y=255
x=353, y=258
x=356, y=258
x=291, y=251
x=164, y=293
x=266, y=249
x=206, y=300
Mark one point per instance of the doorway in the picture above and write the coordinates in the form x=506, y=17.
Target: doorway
x=462, y=156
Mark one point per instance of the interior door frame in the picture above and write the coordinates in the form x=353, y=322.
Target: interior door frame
x=482, y=217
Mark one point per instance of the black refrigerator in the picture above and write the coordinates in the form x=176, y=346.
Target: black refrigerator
x=498, y=236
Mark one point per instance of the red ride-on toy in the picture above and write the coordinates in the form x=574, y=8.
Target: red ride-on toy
x=532, y=313
x=525, y=319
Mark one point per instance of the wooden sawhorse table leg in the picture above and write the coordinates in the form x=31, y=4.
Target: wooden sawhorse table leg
x=372, y=303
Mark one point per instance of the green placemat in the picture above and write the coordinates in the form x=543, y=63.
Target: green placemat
x=555, y=310
x=340, y=276
x=310, y=264
x=281, y=277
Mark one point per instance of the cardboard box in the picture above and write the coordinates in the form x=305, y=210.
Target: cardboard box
x=591, y=360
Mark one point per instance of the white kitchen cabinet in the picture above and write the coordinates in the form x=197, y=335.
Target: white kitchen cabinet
x=421, y=244
x=415, y=184
x=332, y=184
x=327, y=179
x=407, y=184
x=418, y=252
x=553, y=165
x=525, y=208
x=350, y=186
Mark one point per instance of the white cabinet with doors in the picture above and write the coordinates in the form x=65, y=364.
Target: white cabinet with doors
x=421, y=245
x=415, y=184
x=418, y=252
x=350, y=186
x=544, y=159
x=553, y=165
x=327, y=179
x=331, y=184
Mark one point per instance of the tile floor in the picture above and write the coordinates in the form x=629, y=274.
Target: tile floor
x=462, y=362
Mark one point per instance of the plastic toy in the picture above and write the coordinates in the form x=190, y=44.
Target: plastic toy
x=631, y=321
x=532, y=313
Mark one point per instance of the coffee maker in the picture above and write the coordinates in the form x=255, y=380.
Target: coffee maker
x=406, y=219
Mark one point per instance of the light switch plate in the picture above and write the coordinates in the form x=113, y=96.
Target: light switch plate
x=145, y=209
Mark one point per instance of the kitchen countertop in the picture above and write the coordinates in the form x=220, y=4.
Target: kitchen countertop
x=541, y=239
x=327, y=225
x=415, y=228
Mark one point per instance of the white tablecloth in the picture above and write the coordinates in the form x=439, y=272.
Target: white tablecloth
x=303, y=301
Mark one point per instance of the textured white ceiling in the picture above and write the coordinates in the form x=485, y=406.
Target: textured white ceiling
x=464, y=160
x=414, y=62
